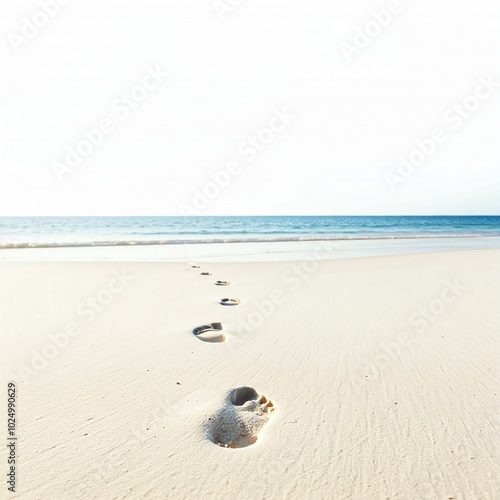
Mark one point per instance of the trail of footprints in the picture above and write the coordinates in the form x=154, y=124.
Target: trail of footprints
x=244, y=412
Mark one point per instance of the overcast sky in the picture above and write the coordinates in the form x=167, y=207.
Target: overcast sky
x=180, y=88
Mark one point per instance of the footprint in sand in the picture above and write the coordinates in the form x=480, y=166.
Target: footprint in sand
x=222, y=283
x=206, y=274
x=210, y=333
x=238, y=423
x=230, y=302
x=195, y=267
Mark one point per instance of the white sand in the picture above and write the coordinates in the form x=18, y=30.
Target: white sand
x=373, y=397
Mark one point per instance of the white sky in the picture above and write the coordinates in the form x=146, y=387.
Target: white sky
x=352, y=121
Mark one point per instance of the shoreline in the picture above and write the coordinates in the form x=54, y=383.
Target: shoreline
x=250, y=251
x=257, y=239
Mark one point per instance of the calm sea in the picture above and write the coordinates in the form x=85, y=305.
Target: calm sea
x=67, y=231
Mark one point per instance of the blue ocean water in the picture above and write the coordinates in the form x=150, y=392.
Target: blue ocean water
x=69, y=231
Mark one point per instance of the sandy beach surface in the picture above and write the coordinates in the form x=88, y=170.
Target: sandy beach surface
x=365, y=378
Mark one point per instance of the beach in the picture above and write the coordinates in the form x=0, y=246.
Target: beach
x=250, y=250
x=371, y=377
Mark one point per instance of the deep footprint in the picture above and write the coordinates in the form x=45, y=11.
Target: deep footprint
x=242, y=416
x=222, y=283
x=210, y=333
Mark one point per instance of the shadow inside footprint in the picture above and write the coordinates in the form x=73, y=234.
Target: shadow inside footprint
x=230, y=302
x=238, y=423
x=243, y=394
x=210, y=333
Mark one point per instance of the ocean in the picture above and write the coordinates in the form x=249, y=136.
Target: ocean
x=24, y=232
